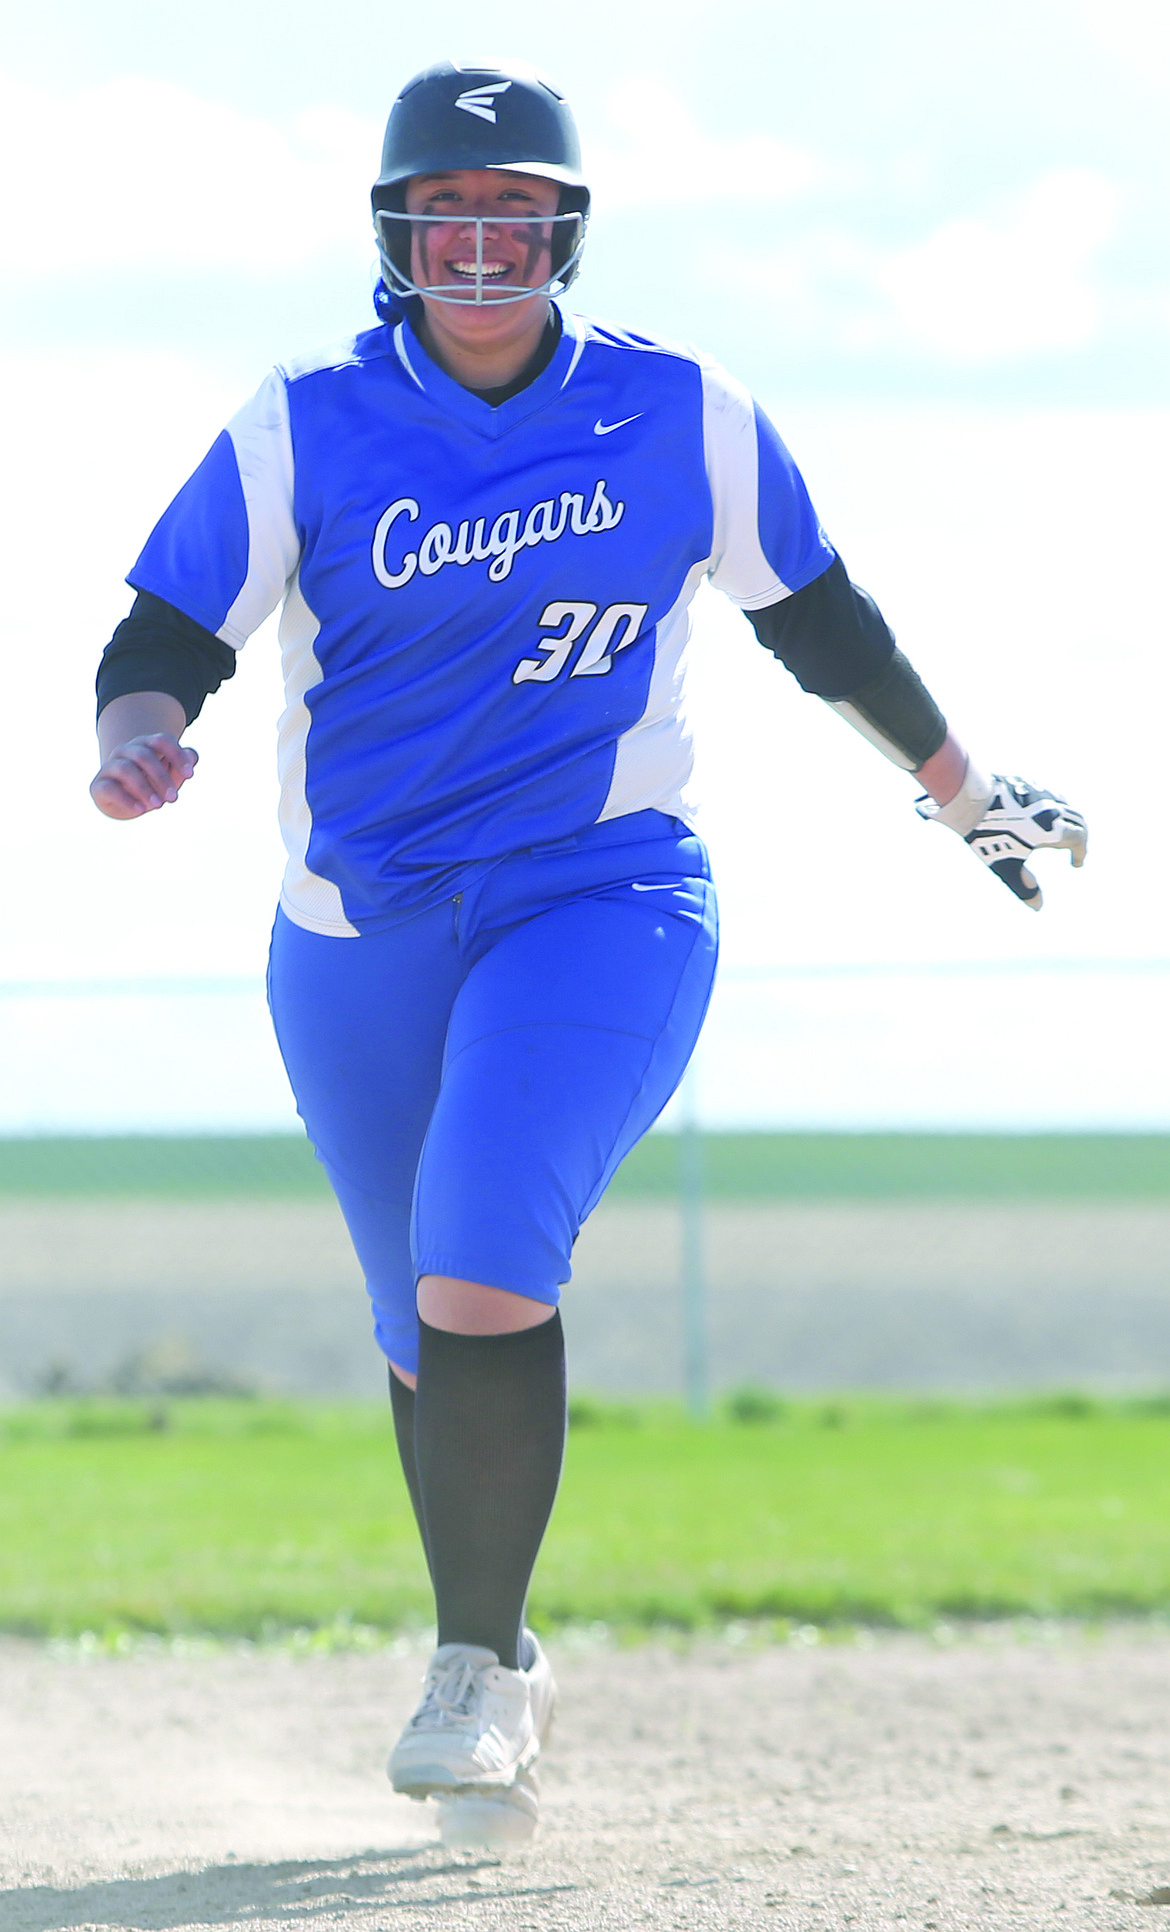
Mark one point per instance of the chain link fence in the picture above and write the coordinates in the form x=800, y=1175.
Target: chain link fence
x=753, y=1242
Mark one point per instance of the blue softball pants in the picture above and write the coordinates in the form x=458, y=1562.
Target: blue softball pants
x=472, y=1076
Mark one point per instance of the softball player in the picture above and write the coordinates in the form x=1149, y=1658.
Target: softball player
x=486, y=519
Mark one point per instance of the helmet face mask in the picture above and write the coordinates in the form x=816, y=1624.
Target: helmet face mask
x=562, y=238
x=507, y=118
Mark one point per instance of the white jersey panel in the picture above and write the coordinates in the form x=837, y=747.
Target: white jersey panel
x=264, y=457
x=739, y=567
x=309, y=900
x=654, y=759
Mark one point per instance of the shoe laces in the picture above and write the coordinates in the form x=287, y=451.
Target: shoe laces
x=449, y=1695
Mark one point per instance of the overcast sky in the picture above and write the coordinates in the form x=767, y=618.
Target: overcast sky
x=932, y=240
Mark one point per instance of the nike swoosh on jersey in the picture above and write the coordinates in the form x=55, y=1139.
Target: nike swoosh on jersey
x=672, y=887
x=607, y=429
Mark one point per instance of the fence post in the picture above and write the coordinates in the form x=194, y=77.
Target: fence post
x=691, y=1179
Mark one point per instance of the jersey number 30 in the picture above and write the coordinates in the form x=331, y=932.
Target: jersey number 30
x=573, y=622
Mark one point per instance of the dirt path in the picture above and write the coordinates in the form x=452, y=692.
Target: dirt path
x=991, y=1782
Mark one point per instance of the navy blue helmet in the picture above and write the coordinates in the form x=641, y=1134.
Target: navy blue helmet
x=507, y=116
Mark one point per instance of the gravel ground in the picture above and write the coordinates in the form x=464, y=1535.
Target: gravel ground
x=1002, y=1779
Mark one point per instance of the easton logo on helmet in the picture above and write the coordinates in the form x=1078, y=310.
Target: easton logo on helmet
x=477, y=100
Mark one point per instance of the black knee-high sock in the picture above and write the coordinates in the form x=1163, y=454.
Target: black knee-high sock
x=402, y=1407
x=489, y=1438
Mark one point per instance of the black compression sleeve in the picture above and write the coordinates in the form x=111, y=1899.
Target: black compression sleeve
x=831, y=635
x=898, y=704
x=159, y=648
x=835, y=641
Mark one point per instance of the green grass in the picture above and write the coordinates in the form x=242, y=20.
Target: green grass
x=175, y=1166
x=245, y=1518
x=735, y=1166
x=901, y=1166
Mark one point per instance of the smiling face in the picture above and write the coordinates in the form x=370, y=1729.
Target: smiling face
x=508, y=211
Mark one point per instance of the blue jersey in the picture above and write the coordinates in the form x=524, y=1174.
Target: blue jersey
x=485, y=610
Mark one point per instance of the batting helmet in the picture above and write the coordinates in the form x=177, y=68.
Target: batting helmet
x=451, y=117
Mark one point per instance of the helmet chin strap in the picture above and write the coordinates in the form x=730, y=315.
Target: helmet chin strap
x=481, y=293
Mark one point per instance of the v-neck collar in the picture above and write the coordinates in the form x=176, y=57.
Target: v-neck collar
x=479, y=415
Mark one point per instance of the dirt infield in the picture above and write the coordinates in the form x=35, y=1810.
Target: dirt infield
x=1010, y=1780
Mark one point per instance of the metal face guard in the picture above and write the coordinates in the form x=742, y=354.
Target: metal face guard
x=480, y=292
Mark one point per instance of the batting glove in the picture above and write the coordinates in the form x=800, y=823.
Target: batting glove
x=1004, y=820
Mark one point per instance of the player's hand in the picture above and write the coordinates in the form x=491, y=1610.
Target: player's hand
x=1017, y=820
x=143, y=775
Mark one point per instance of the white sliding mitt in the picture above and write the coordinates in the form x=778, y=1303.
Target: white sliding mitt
x=1005, y=820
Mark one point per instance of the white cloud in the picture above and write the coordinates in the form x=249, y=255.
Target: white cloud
x=661, y=157
x=977, y=290
x=140, y=173
x=972, y=291
x=1136, y=33
x=96, y=442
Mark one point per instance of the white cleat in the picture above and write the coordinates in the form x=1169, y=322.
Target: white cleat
x=495, y=1819
x=509, y=1817
x=478, y=1728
